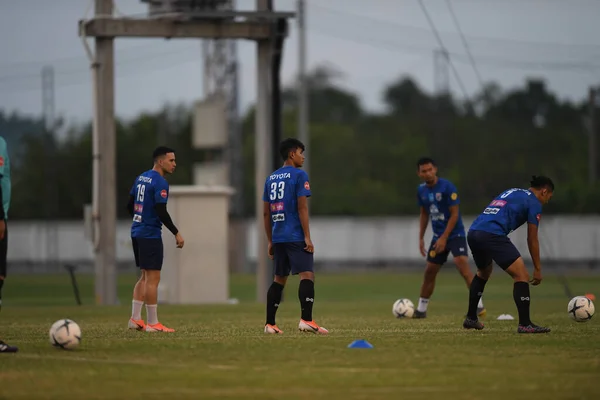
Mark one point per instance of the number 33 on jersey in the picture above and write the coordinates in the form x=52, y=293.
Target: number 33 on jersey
x=282, y=189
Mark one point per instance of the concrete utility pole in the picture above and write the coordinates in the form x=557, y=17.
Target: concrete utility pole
x=303, y=116
x=251, y=25
x=592, y=142
x=263, y=155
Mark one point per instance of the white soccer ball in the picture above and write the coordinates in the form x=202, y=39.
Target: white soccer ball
x=65, y=334
x=403, y=308
x=581, y=309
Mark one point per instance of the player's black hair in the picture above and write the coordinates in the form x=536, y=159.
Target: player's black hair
x=288, y=145
x=539, y=182
x=161, y=151
x=425, y=161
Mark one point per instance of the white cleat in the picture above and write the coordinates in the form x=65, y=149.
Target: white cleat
x=312, y=327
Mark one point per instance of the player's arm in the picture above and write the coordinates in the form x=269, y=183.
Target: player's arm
x=453, y=202
x=130, y=204
x=533, y=219
x=423, y=222
x=267, y=221
x=534, y=245
x=303, y=214
x=302, y=194
x=451, y=221
x=165, y=218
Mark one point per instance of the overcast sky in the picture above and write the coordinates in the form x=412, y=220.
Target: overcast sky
x=373, y=42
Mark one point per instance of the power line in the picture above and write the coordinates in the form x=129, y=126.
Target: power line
x=441, y=43
x=387, y=44
x=465, y=43
x=530, y=43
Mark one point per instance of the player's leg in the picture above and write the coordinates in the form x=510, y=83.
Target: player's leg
x=282, y=271
x=151, y=259
x=462, y=265
x=521, y=295
x=483, y=261
x=6, y=348
x=3, y=254
x=136, y=321
x=434, y=263
x=458, y=247
x=302, y=263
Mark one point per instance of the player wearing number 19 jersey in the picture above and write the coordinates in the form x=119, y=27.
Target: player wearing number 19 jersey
x=148, y=209
x=488, y=241
x=285, y=202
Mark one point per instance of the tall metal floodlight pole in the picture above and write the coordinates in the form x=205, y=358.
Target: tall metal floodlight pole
x=179, y=21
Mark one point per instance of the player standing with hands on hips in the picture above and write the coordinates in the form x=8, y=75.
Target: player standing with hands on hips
x=148, y=207
x=285, y=214
x=488, y=240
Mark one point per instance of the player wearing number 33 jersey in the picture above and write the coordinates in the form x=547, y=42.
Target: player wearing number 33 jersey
x=285, y=213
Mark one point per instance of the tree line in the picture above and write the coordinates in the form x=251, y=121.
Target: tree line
x=361, y=163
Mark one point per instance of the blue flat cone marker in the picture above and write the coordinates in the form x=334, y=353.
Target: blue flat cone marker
x=360, y=344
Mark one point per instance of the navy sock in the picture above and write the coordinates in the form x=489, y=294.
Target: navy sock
x=475, y=293
x=521, y=297
x=306, y=294
x=273, y=300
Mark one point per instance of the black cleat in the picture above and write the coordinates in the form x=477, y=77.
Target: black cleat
x=531, y=328
x=420, y=314
x=6, y=348
x=472, y=324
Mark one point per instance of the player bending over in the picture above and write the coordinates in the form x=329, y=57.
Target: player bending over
x=286, y=225
x=488, y=240
x=148, y=208
x=438, y=200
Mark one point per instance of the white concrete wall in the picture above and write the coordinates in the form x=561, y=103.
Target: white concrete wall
x=570, y=238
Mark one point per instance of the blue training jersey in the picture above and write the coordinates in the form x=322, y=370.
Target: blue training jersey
x=437, y=201
x=282, y=189
x=5, y=176
x=149, y=189
x=508, y=211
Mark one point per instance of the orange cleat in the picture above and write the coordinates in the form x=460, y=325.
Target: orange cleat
x=158, y=328
x=137, y=324
x=311, y=326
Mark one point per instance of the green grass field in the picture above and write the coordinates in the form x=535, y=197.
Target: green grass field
x=221, y=352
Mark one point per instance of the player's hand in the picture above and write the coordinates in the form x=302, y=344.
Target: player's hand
x=270, y=252
x=2, y=229
x=537, y=277
x=309, y=245
x=179, y=240
x=440, y=245
x=422, y=247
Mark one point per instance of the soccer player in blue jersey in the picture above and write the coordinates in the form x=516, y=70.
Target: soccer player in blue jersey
x=488, y=241
x=285, y=214
x=148, y=208
x=438, y=201
x=5, y=192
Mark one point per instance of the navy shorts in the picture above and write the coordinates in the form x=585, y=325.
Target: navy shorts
x=148, y=253
x=457, y=245
x=486, y=247
x=292, y=258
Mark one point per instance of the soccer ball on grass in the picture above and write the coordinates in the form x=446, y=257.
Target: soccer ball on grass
x=581, y=309
x=403, y=308
x=65, y=334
